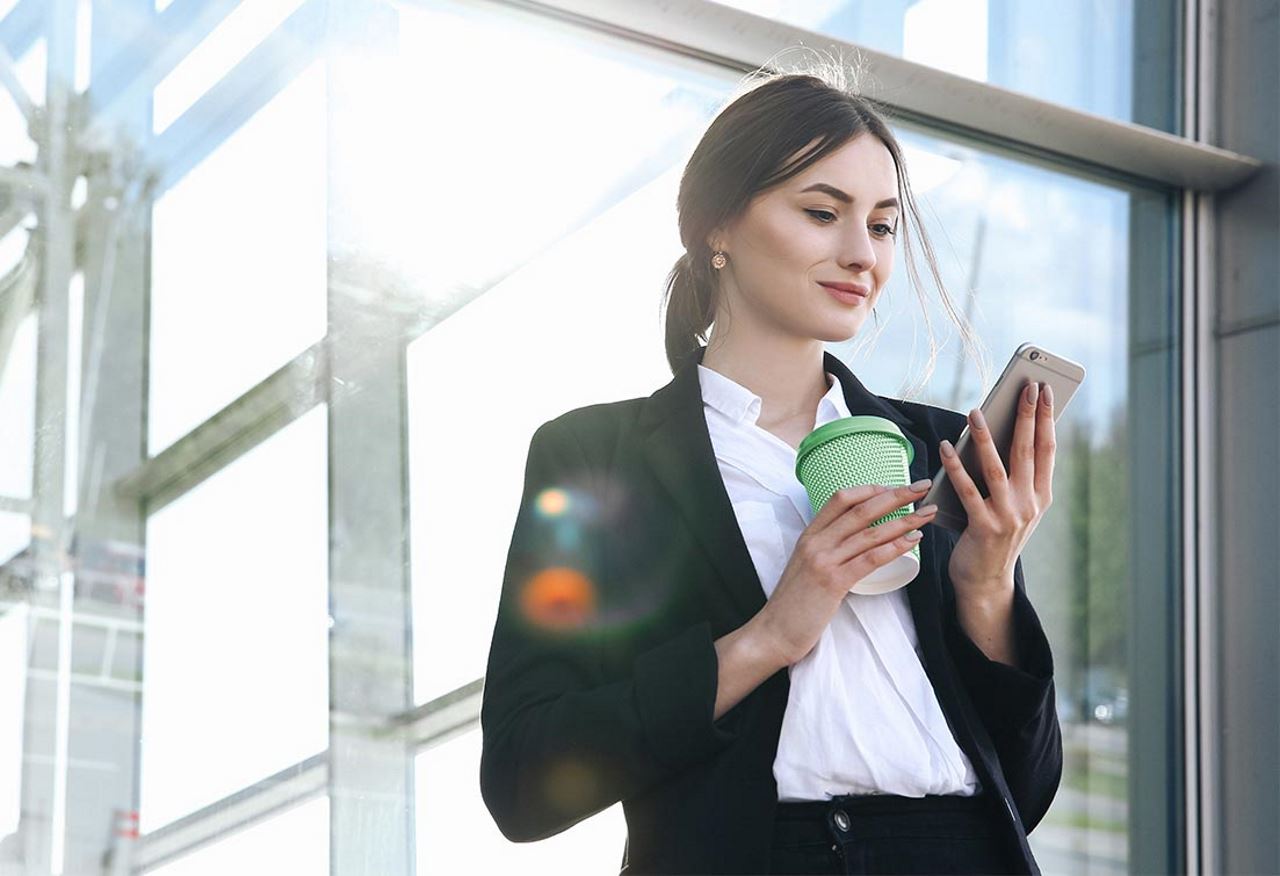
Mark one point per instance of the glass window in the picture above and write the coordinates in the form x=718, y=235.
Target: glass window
x=236, y=654
x=1090, y=56
x=238, y=267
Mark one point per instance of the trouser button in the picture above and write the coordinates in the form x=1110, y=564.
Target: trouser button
x=842, y=820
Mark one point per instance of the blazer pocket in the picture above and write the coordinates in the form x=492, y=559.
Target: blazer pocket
x=758, y=523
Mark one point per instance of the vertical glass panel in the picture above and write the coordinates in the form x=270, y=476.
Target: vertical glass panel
x=573, y=238
x=456, y=834
x=1115, y=59
x=235, y=659
x=238, y=262
x=295, y=841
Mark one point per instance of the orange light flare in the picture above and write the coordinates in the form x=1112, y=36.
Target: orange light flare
x=559, y=598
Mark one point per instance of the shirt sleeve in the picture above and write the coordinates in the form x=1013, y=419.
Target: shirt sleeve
x=561, y=741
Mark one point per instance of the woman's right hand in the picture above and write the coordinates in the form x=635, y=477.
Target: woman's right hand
x=837, y=549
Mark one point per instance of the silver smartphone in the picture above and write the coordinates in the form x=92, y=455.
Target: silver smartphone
x=1029, y=364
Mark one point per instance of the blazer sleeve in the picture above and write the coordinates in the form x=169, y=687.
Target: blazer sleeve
x=1016, y=704
x=560, y=740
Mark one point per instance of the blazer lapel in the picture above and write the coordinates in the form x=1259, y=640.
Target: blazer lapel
x=677, y=447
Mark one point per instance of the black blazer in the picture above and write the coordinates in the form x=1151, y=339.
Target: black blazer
x=602, y=677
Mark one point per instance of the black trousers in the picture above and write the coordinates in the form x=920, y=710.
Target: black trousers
x=886, y=833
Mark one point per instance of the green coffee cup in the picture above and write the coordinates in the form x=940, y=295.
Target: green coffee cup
x=854, y=451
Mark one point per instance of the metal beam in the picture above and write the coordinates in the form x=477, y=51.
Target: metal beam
x=232, y=432
x=272, y=795
x=985, y=114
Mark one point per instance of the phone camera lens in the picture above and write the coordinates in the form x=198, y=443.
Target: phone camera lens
x=1034, y=356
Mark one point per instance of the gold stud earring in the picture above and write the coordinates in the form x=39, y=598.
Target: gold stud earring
x=719, y=260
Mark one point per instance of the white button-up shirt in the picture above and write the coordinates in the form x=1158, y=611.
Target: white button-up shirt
x=862, y=717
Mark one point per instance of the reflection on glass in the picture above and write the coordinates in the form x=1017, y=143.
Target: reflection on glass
x=1079, y=54
x=236, y=649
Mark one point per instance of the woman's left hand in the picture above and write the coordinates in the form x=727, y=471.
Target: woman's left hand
x=983, y=559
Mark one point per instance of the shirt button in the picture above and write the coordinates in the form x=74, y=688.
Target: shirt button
x=842, y=820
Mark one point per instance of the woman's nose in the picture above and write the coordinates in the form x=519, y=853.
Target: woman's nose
x=859, y=254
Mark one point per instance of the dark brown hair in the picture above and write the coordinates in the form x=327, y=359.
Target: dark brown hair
x=750, y=147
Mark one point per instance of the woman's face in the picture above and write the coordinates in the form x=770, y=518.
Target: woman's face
x=834, y=222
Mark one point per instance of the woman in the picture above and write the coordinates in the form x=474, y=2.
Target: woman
x=678, y=632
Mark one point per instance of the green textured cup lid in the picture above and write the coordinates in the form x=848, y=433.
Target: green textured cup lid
x=846, y=426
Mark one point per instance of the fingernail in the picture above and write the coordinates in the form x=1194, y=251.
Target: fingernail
x=978, y=419
x=1033, y=391
x=1048, y=395
x=947, y=449
x=921, y=484
x=926, y=509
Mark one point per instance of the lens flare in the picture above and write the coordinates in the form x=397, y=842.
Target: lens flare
x=570, y=784
x=559, y=598
x=552, y=502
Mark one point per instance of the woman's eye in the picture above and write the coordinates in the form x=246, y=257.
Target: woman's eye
x=888, y=229
x=817, y=214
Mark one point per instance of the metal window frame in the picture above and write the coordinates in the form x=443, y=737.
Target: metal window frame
x=1201, y=839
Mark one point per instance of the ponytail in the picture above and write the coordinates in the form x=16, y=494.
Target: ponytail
x=690, y=302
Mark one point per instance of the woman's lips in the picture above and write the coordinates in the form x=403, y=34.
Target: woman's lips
x=841, y=295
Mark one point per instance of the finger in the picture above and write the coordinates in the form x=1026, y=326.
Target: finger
x=1022, y=452
x=992, y=465
x=975, y=506
x=870, y=536
x=867, y=562
x=862, y=515
x=1046, y=446
x=844, y=499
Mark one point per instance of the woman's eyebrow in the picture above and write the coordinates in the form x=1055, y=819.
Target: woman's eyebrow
x=840, y=195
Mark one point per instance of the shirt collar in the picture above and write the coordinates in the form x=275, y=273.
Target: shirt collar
x=742, y=406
